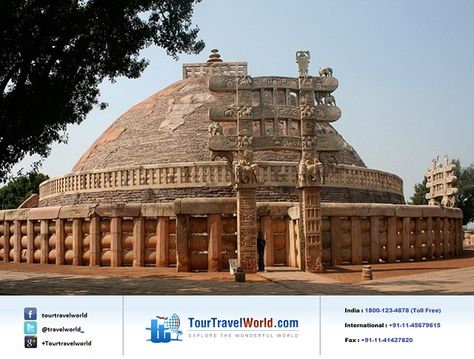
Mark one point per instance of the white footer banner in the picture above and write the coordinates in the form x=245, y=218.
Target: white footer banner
x=236, y=326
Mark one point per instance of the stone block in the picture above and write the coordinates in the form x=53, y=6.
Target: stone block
x=205, y=206
x=77, y=211
x=431, y=211
x=22, y=214
x=408, y=211
x=2, y=215
x=10, y=214
x=44, y=213
x=375, y=209
x=157, y=210
x=273, y=208
x=338, y=209
x=118, y=210
x=454, y=213
x=177, y=206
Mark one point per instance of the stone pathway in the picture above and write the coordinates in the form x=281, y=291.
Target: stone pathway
x=277, y=281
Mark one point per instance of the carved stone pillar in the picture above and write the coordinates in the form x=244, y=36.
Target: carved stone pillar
x=310, y=206
x=247, y=228
x=310, y=177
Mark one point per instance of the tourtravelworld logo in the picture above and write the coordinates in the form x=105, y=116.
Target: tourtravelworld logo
x=165, y=329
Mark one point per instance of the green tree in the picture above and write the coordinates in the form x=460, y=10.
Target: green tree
x=20, y=188
x=55, y=53
x=419, y=197
x=464, y=197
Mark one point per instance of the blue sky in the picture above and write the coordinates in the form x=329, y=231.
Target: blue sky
x=405, y=71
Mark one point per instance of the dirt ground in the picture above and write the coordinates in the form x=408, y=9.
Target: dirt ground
x=341, y=273
x=353, y=273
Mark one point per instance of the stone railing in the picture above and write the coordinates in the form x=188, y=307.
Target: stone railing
x=190, y=234
x=210, y=174
x=195, y=70
x=200, y=234
x=374, y=233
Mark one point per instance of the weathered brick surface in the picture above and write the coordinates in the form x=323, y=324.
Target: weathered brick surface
x=170, y=126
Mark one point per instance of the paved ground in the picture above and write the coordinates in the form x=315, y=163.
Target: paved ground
x=454, y=276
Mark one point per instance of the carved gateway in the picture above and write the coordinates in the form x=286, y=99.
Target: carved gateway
x=264, y=111
x=440, y=181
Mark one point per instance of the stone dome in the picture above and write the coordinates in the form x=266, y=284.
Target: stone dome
x=158, y=151
x=170, y=126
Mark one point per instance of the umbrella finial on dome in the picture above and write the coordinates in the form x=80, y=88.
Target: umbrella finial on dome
x=214, y=56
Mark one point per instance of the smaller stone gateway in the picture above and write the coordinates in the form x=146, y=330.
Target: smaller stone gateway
x=440, y=180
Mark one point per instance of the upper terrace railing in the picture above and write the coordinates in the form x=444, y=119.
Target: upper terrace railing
x=211, y=174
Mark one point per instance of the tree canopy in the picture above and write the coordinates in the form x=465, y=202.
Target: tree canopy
x=20, y=188
x=464, y=197
x=55, y=53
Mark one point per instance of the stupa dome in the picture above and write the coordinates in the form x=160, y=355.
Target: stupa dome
x=158, y=151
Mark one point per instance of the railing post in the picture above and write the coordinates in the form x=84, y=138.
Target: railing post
x=429, y=237
x=461, y=239
x=139, y=242
x=60, y=237
x=116, y=244
x=183, y=262
x=6, y=241
x=162, y=242
x=406, y=239
x=77, y=241
x=30, y=242
x=267, y=229
x=17, y=242
x=439, y=253
x=214, y=233
x=94, y=235
x=418, y=239
x=392, y=239
x=446, y=244
x=44, y=235
x=375, y=250
x=356, y=240
x=336, y=257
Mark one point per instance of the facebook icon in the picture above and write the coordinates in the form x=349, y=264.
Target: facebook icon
x=30, y=313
